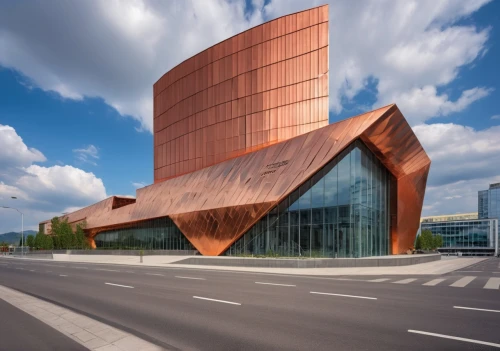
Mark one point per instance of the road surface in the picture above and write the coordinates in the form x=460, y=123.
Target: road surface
x=195, y=309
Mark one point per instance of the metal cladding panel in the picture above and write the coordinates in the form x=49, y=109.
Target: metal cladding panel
x=213, y=231
x=260, y=87
x=215, y=205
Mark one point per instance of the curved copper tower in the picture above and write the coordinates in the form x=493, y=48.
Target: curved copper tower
x=257, y=88
x=238, y=128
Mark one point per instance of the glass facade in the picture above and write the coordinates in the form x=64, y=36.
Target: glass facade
x=482, y=205
x=452, y=217
x=465, y=235
x=489, y=202
x=342, y=211
x=156, y=234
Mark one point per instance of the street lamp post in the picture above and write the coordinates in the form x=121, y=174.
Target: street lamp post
x=22, y=228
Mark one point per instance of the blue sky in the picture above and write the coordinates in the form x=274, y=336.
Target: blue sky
x=76, y=89
x=58, y=126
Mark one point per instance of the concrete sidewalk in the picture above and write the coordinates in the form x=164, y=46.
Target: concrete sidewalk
x=443, y=266
x=86, y=331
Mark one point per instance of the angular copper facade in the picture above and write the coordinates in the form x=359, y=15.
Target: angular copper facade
x=214, y=206
x=262, y=86
x=237, y=129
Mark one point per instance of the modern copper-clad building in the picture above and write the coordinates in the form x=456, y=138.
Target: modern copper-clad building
x=246, y=163
x=260, y=87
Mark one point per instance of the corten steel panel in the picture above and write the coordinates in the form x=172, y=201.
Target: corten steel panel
x=214, y=206
x=277, y=68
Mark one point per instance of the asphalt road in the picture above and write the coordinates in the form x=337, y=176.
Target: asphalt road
x=190, y=309
x=19, y=332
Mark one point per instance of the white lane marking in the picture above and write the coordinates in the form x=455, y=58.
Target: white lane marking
x=496, y=272
x=107, y=270
x=32, y=270
x=194, y=278
x=493, y=283
x=454, y=338
x=80, y=267
x=129, y=271
x=123, y=286
x=434, y=282
x=53, y=265
x=342, y=295
x=405, y=281
x=380, y=280
x=476, y=309
x=274, y=284
x=468, y=271
x=462, y=282
x=155, y=274
x=62, y=275
x=222, y=301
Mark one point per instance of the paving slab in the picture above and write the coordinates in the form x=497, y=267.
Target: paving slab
x=87, y=332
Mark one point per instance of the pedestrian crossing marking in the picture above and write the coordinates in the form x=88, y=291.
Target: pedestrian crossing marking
x=380, y=280
x=463, y=282
x=405, y=281
x=434, y=282
x=493, y=283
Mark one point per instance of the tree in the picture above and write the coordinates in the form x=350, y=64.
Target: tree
x=418, y=243
x=63, y=237
x=30, y=241
x=426, y=240
x=38, y=244
x=438, y=241
x=81, y=239
x=56, y=243
x=49, y=244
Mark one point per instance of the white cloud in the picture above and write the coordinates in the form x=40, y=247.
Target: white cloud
x=411, y=48
x=87, y=155
x=464, y=161
x=14, y=152
x=116, y=49
x=424, y=103
x=138, y=184
x=495, y=117
x=42, y=192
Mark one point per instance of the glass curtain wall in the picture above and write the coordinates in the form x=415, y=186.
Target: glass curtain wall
x=156, y=234
x=462, y=234
x=342, y=211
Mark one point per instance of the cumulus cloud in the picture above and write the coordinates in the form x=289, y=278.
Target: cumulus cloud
x=115, y=50
x=410, y=48
x=87, y=155
x=495, y=117
x=424, y=103
x=464, y=161
x=41, y=192
x=15, y=153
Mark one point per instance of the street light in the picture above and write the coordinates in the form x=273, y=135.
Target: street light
x=22, y=226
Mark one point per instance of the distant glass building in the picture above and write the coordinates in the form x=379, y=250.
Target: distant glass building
x=451, y=217
x=489, y=202
x=470, y=233
x=488, y=205
x=471, y=237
